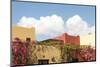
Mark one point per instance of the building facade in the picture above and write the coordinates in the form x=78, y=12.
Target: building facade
x=68, y=39
x=22, y=33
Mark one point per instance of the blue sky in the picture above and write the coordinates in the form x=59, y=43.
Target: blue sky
x=28, y=9
x=36, y=10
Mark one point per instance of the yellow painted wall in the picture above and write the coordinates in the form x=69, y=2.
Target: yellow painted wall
x=23, y=33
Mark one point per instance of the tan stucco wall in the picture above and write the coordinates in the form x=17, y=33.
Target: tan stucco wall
x=49, y=52
x=23, y=33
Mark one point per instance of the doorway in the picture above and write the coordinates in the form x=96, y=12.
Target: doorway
x=43, y=61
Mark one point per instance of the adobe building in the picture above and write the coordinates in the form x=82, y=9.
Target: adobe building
x=22, y=33
x=68, y=39
x=21, y=38
x=46, y=54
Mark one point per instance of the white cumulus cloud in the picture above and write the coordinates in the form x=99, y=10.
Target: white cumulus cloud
x=49, y=25
x=27, y=22
x=75, y=25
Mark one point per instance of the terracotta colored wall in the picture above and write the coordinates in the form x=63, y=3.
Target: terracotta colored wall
x=68, y=39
